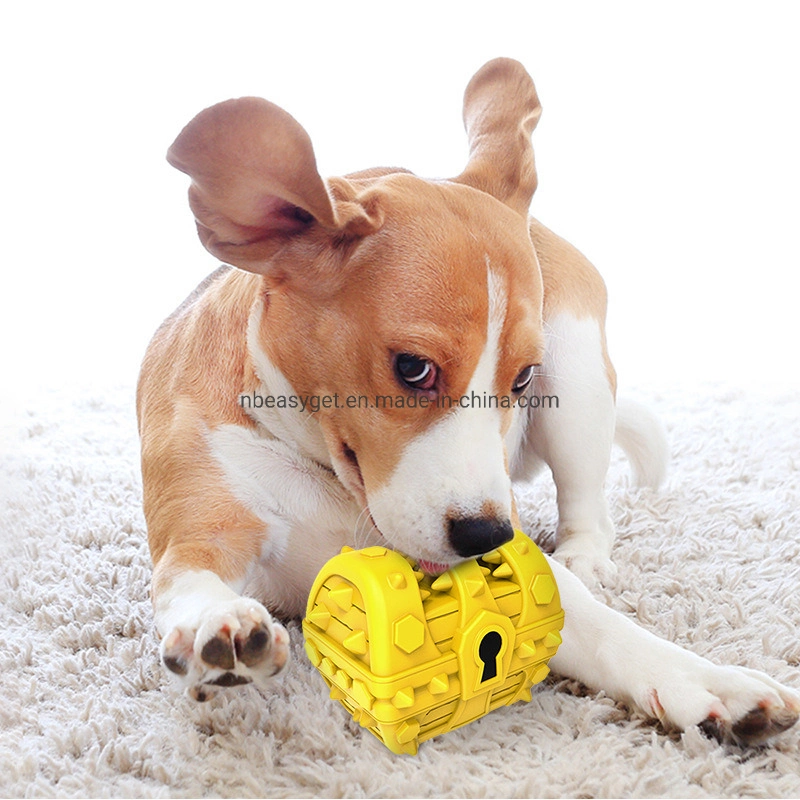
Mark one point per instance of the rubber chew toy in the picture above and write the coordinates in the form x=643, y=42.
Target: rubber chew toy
x=411, y=657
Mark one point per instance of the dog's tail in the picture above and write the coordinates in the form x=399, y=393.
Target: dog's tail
x=643, y=438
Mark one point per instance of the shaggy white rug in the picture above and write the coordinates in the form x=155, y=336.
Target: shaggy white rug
x=712, y=561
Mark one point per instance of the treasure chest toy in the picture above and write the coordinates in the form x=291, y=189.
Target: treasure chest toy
x=411, y=657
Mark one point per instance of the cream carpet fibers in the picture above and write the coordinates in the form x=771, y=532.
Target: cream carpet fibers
x=712, y=561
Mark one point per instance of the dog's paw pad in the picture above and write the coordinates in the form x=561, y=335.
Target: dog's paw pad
x=176, y=664
x=712, y=728
x=253, y=649
x=230, y=644
x=176, y=652
x=756, y=726
x=230, y=679
x=733, y=705
x=218, y=652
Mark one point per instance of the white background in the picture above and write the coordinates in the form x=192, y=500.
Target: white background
x=668, y=151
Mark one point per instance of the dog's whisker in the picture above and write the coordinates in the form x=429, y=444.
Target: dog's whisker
x=363, y=529
x=359, y=533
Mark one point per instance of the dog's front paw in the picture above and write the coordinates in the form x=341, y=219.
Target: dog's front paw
x=588, y=563
x=231, y=643
x=731, y=704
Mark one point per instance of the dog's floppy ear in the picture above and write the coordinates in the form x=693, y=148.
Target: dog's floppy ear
x=501, y=109
x=255, y=183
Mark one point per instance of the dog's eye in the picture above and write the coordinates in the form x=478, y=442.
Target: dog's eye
x=523, y=380
x=415, y=372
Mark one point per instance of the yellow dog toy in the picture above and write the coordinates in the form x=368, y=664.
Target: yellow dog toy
x=411, y=656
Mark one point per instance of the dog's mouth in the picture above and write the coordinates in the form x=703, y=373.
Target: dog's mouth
x=353, y=469
x=432, y=568
x=355, y=483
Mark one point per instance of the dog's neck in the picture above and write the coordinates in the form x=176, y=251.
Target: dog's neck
x=290, y=423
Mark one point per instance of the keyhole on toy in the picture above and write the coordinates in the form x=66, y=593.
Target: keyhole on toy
x=488, y=651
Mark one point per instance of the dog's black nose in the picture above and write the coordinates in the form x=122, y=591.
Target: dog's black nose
x=474, y=536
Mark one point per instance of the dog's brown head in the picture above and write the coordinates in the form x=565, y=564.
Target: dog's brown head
x=411, y=304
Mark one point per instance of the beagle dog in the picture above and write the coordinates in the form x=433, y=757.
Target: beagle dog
x=380, y=358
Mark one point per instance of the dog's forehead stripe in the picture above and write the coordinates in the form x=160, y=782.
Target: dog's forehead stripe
x=484, y=375
x=497, y=300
